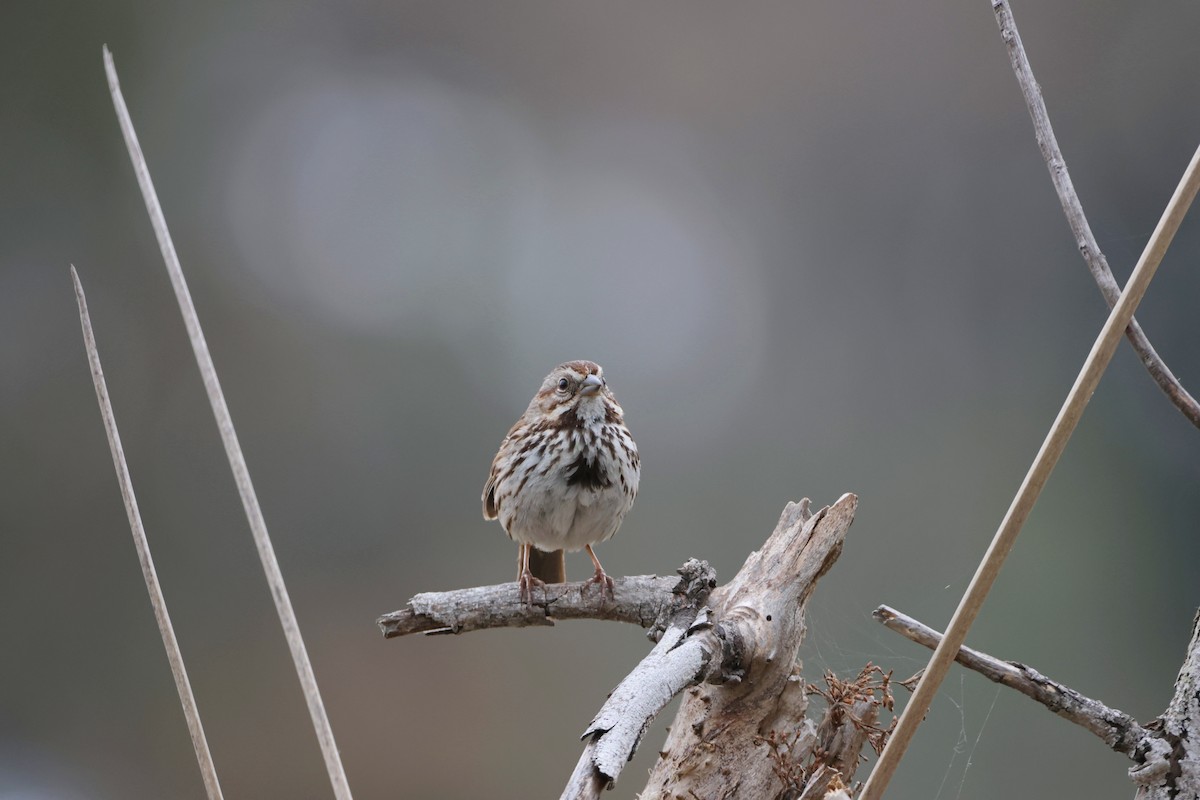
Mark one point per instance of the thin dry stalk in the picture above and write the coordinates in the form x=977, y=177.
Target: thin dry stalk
x=174, y=656
x=233, y=450
x=1052, y=448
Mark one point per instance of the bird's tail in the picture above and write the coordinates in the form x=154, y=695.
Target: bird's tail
x=549, y=567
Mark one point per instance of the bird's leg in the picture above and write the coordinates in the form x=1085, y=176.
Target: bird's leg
x=601, y=577
x=526, y=579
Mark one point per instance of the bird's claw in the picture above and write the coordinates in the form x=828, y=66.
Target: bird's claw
x=525, y=586
x=606, y=584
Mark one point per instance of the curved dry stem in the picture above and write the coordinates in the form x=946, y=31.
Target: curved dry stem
x=1084, y=239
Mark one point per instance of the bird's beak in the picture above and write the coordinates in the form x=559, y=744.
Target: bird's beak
x=591, y=385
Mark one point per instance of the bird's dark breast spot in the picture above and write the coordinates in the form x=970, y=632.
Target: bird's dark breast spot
x=588, y=474
x=569, y=420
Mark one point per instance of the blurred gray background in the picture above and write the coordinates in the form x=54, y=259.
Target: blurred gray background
x=813, y=244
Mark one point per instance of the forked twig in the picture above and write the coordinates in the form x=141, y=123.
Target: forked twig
x=233, y=450
x=1035, y=479
x=1084, y=239
x=174, y=656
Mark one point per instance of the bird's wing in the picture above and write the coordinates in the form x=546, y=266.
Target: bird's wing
x=490, y=509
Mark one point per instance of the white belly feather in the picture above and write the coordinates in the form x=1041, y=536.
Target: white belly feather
x=554, y=516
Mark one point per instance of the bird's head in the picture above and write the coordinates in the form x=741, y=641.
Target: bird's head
x=576, y=393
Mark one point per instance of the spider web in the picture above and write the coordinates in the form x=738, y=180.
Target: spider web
x=842, y=643
x=961, y=746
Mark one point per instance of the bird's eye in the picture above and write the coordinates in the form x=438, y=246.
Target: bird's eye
x=563, y=383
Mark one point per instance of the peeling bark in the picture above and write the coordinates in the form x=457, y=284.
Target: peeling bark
x=1171, y=767
x=718, y=744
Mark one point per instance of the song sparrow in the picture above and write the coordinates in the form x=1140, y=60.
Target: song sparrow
x=565, y=475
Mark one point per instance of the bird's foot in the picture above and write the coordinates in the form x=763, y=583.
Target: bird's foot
x=525, y=584
x=601, y=579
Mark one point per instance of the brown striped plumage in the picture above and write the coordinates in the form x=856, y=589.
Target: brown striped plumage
x=565, y=475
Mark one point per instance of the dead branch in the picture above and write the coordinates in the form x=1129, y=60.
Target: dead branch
x=642, y=600
x=1171, y=768
x=741, y=730
x=1119, y=730
x=682, y=657
x=752, y=688
x=1166, y=756
x=1084, y=239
